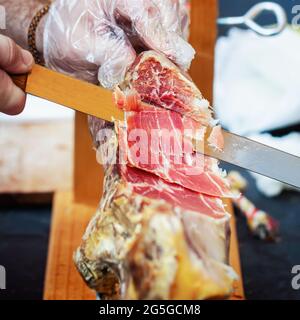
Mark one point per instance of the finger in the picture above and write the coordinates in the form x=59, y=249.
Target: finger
x=148, y=23
x=12, y=98
x=114, y=53
x=13, y=58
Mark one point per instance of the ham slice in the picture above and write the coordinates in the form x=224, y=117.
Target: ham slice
x=149, y=185
x=161, y=142
x=205, y=219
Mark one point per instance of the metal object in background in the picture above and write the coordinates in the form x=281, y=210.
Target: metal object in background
x=249, y=19
x=258, y=158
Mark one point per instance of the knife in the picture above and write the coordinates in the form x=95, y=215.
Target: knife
x=96, y=101
x=69, y=92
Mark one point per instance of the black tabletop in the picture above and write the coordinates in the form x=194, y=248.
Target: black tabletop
x=267, y=266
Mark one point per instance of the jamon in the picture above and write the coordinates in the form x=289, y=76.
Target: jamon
x=140, y=228
x=205, y=218
x=161, y=142
x=161, y=230
x=165, y=265
x=159, y=82
x=150, y=186
x=137, y=249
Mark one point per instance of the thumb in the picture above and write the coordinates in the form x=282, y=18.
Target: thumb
x=14, y=59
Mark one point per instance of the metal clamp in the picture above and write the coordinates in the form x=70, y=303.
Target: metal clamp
x=249, y=19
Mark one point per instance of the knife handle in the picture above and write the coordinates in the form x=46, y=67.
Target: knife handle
x=20, y=80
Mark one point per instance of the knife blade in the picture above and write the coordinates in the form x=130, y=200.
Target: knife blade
x=258, y=158
x=96, y=101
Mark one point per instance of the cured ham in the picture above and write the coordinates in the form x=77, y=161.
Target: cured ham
x=205, y=218
x=161, y=230
x=157, y=81
x=139, y=233
x=161, y=142
x=150, y=186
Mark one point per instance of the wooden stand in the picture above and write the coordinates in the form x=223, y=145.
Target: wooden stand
x=73, y=210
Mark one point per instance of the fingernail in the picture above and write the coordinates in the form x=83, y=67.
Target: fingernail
x=27, y=58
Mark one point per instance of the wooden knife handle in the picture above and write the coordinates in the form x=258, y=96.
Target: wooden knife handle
x=20, y=80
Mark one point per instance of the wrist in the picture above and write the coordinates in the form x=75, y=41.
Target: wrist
x=36, y=34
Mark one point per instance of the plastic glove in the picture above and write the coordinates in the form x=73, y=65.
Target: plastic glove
x=96, y=39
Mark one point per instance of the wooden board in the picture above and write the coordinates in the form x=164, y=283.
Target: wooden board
x=234, y=257
x=38, y=157
x=69, y=221
x=203, y=35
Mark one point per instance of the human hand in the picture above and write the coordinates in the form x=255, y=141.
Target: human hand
x=13, y=60
x=97, y=39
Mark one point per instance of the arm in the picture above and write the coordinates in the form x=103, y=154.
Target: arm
x=18, y=17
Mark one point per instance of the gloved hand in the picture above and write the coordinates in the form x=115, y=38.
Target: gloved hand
x=97, y=39
x=13, y=60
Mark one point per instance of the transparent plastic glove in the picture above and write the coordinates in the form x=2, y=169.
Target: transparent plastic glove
x=97, y=39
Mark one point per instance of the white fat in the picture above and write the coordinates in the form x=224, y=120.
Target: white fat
x=135, y=76
x=201, y=103
x=106, y=245
x=207, y=234
x=164, y=227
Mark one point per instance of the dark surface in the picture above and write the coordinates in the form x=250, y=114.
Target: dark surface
x=267, y=266
x=23, y=250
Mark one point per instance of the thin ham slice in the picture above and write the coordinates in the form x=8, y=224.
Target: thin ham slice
x=205, y=218
x=153, y=187
x=144, y=144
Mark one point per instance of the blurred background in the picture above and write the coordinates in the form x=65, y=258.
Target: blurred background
x=256, y=94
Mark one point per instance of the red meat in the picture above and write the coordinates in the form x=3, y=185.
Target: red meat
x=161, y=142
x=158, y=82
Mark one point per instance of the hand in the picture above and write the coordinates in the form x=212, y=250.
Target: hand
x=97, y=39
x=13, y=60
